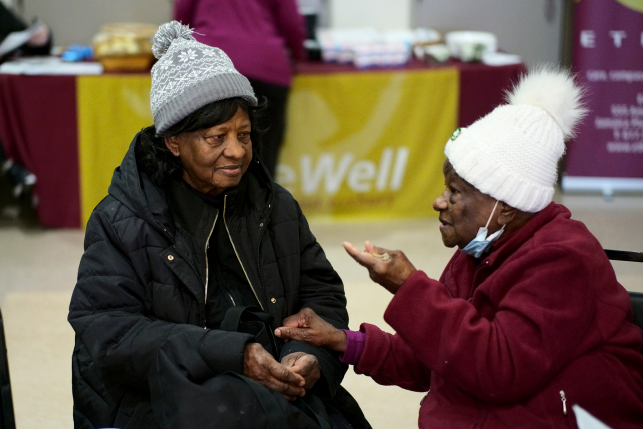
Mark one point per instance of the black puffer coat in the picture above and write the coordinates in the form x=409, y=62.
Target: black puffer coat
x=141, y=289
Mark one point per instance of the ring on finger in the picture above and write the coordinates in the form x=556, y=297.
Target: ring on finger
x=384, y=256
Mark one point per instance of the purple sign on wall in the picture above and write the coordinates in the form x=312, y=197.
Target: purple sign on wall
x=607, y=155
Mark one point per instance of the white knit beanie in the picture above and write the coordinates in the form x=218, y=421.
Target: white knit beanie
x=512, y=153
x=188, y=75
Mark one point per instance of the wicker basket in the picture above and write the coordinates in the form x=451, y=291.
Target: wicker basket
x=127, y=62
x=125, y=46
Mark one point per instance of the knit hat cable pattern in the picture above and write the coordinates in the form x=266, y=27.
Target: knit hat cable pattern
x=512, y=153
x=188, y=75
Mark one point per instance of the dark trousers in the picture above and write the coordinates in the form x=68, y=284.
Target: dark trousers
x=274, y=120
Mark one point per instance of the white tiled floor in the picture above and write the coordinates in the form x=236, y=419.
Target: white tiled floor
x=38, y=271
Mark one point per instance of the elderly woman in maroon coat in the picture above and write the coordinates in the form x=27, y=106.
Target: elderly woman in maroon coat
x=527, y=318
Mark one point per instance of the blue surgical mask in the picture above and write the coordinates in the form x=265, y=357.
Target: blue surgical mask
x=481, y=244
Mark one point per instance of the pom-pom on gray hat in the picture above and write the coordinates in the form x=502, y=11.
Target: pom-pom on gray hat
x=188, y=75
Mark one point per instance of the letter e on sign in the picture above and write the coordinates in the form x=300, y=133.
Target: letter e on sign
x=361, y=176
x=587, y=39
x=286, y=175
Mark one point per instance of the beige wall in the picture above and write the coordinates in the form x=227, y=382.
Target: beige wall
x=529, y=28
x=381, y=14
x=532, y=29
x=76, y=21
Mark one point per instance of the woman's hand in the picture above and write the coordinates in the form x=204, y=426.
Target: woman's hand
x=389, y=271
x=40, y=37
x=305, y=365
x=308, y=327
x=260, y=366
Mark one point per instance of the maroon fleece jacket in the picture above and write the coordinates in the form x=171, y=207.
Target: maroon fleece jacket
x=500, y=340
x=257, y=35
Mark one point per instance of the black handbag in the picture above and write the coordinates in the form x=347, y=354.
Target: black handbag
x=253, y=321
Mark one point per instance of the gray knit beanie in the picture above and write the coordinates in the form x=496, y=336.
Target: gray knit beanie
x=188, y=75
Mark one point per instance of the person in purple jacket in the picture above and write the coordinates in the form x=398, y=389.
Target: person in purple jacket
x=262, y=38
x=527, y=319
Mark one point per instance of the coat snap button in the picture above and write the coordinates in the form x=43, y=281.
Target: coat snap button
x=170, y=257
x=261, y=224
x=273, y=300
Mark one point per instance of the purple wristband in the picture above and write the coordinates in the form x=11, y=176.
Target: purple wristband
x=355, y=341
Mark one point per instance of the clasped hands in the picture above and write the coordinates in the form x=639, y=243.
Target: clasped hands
x=297, y=373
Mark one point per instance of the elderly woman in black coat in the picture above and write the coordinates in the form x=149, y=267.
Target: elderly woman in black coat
x=193, y=227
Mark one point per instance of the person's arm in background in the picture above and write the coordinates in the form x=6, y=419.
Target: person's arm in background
x=39, y=44
x=184, y=11
x=291, y=26
x=9, y=22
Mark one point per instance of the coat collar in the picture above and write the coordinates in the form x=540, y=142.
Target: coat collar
x=508, y=244
x=251, y=198
x=137, y=192
x=189, y=211
x=464, y=268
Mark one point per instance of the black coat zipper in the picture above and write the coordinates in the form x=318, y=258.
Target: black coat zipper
x=265, y=292
x=207, y=245
x=225, y=202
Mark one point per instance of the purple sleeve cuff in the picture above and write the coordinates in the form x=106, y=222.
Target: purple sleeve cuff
x=355, y=341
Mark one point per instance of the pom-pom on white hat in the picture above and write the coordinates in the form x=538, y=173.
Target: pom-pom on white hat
x=512, y=153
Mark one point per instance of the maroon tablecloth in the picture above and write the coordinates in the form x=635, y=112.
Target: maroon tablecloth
x=38, y=125
x=38, y=128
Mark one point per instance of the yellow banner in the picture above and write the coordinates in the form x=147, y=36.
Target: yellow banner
x=358, y=145
x=637, y=5
x=111, y=110
x=368, y=145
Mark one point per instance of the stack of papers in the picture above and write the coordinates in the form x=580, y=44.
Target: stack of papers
x=18, y=38
x=51, y=66
x=367, y=47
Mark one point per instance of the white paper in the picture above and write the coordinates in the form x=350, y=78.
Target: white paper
x=50, y=66
x=587, y=421
x=18, y=38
